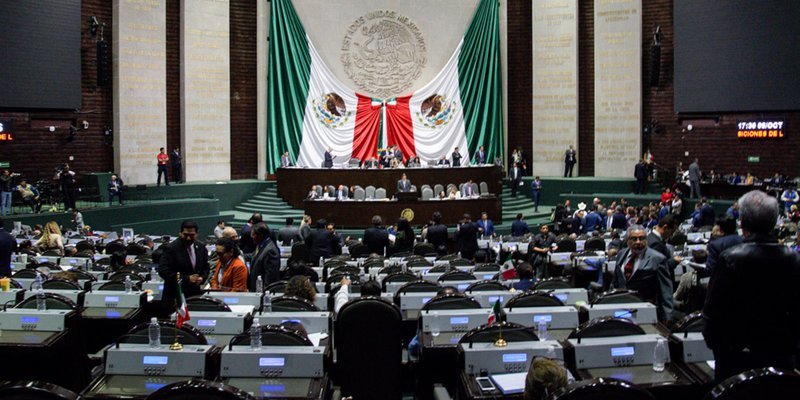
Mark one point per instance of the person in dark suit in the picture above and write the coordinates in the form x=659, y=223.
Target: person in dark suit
x=542, y=244
x=371, y=163
x=645, y=271
x=456, y=158
x=618, y=219
x=289, y=234
x=694, y=180
x=188, y=257
x=514, y=179
x=376, y=238
x=729, y=238
x=485, y=225
x=246, y=243
x=592, y=221
x=467, y=237
x=322, y=242
x=519, y=227
x=398, y=154
x=266, y=261
x=115, y=189
x=526, y=279
x=706, y=215
x=570, y=158
x=328, y=163
x=751, y=312
x=443, y=161
x=659, y=235
x=7, y=246
x=176, y=159
x=437, y=234
x=480, y=156
x=640, y=173
x=536, y=190
x=403, y=185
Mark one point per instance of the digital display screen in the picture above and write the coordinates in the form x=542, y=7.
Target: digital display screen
x=112, y=299
x=622, y=351
x=623, y=314
x=562, y=296
x=459, y=320
x=488, y=277
x=494, y=299
x=462, y=287
x=296, y=321
x=270, y=389
x=231, y=300
x=113, y=314
x=153, y=386
x=44, y=259
x=206, y=322
x=760, y=129
x=29, y=320
x=154, y=360
x=73, y=261
x=515, y=358
x=271, y=361
x=542, y=318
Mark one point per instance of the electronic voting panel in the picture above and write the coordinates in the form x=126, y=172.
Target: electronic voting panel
x=618, y=351
x=142, y=360
x=515, y=357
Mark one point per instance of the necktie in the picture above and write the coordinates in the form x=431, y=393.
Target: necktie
x=629, y=267
x=192, y=256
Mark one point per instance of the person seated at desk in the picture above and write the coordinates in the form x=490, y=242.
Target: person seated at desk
x=544, y=378
x=300, y=286
x=230, y=273
x=443, y=161
x=413, y=162
x=386, y=156
x=371, y=163
x=526, y=278
x=403, y=185
x=749, y=180
x=454, y=194
x=468, y=192
x=397, y=163
x=369, y=288
x=295, y=325
x=312, y=194
x=341, y=193
x=734, y=179
x=485, y=225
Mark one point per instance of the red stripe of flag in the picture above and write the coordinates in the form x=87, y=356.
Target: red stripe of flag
x=399, y=129
x=367, y=129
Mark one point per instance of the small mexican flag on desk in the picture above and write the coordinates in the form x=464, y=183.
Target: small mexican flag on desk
x=183, y=308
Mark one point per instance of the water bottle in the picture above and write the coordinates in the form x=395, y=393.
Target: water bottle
x=259, y=285
x=128, y=284
x=255, y=335
x=153, y=274
x=154, y=332
x=86, y=266
x=266, y=303
x=361, y=276
x=321, y=262
x=542, y=329
x=37, y=283
x=551, y=352
x=660, y=355
x=41, y=303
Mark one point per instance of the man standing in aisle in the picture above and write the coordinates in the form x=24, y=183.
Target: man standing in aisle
x=177, y=167
x=640, y=173
x=694, y=180
x=536, y=187
x=456, y=158
x=570, y=158
x=515, y=179
x=188, y=257
x=162, y=158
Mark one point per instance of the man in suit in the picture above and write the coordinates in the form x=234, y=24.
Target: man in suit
x=443, y=161
x=480, y=157
x=659, y=235
x=485, y=225
x=7, y=246
x=185, y=256
x=376, y=238
x=536, y=189
x=570, y=158
x=645, y=271
x=592, y=221
x=456, y=158
x=398, y=154
x=640, y=173
x=706, y=216
x=608, y=220
x=245, y=239
x=286, y=161
x=729, y=238
x=694, y=180
x=266, y=261
x=468, y=192
x=371, y=163
x=514, y=178
x=386, y=157
x=322, y=242
x=618, y=219
x=328, y=163
x=751, y=312
x=289, y=234
x=467, y=237
x=341, y=193
x=176, y=159
x=403, y=185
x=114, y=189
x=519, y=227
x=437, y=234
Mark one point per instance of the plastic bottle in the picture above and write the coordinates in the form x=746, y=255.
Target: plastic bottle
x=321, y=262
x=660, y=355
x=37, y=283
x=128, y=284
x=259, y=285
x=361, y=276
x=266, y=302
x=154, y=332
x=551, y=352
x=41, y=302
x=153, y=274
x=541, y=329
x=255, y=335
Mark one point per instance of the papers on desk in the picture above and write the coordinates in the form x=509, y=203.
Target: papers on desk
x=316, y=337
x=510, y=383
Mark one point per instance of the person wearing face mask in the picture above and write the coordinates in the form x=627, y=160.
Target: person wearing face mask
x=188, y=257
x=645, y=270
x=230, y=273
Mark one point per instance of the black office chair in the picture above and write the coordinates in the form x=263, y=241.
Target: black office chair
x=118, y=286
x=206, y=303
x=534, y=299
x=456, y=275
x=439, y=269
x=510, y=332
x=765, y=383
x=553, y=283
x=372, y=265
x=121, y=275
x=678, y=239
x=276, y=287
x=14, y=284
x=368, y=334
x=400, y=254
x=60, y=284
x=483, y=286
x=487, y=267
x=617, y=296
x=451, y=301
x=187, y=334
x=292, y=303
x=606, y=327
x=461, y=262
x=594, y=243
x=424, y=249
x=418, y=263
x=331, y=265
x=114, y=247
x=335, y=279
x=397, y=277
x=199, y=389
x=567, y=245
x=25, y=274
x=300, y=252
x=84, y=245
x=52, y=301
x=346, y=270
x=52, y=253
x=273, y=335
x=447, y=257
x=693, y=322
x=602, y=389
x=83, y=275
x=134, y=249
x=357, y=249
x=35, y=390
